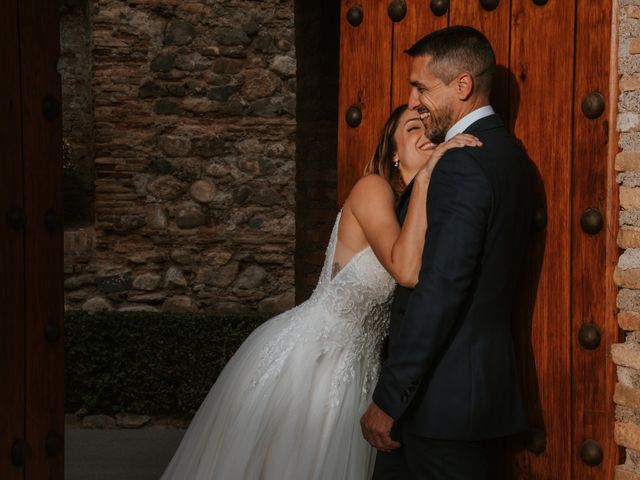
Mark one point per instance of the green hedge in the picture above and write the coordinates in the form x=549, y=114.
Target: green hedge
x=152, y=363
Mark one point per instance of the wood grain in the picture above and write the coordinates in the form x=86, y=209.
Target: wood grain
x=541, y=90
x=365, y=80
x=540, y=50
x=418, y=22
x=11, y=247
x=594, y=374
x=43, y=181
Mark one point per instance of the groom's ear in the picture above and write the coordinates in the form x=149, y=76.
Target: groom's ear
x=464, y=86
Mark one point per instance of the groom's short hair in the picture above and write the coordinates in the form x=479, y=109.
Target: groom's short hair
x=455, y=50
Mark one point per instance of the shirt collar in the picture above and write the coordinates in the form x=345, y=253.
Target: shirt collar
x=471, y=117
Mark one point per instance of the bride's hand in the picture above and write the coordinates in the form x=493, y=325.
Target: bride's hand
x=459, y=141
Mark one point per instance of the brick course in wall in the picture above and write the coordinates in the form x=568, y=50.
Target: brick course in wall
x=194, y=142
x=627, y=275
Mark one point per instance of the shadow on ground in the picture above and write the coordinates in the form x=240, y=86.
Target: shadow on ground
x=119, y=454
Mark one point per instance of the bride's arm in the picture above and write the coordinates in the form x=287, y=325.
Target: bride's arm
x=371, y=201
x=398, y=249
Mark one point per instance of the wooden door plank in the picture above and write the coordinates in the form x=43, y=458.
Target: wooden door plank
x=540, y=111
x=495, y=25
x=418, y=22
x=42, y=149
x=593, y=291
x=11, y=246
x=365, y=81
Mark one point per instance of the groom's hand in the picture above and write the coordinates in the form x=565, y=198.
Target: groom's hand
x=376, y=429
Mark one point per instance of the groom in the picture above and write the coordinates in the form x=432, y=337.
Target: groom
x=449, y=383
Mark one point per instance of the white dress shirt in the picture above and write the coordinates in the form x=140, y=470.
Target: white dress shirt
x=471, y=117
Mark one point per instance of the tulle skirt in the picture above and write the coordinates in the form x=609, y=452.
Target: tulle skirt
x=287, y=421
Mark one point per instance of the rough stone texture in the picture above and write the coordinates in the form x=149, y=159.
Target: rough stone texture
x=130, y=420
x=627, y=274
x=624, y=472
x=629, y=320
x=627, y=435
x=627, y=278
x=627, y=396
x=187, y=114
x=97, y=304
x=77, y=112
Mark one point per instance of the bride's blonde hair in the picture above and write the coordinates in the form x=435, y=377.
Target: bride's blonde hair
x=381, y=161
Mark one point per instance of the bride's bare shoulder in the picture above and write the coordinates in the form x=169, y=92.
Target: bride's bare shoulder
x=371, y=192
x=371, y=185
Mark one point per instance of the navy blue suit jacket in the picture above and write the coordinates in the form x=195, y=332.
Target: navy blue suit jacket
x=450, y=371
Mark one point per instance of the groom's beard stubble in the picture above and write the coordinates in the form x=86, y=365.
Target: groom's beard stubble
x=439, y=125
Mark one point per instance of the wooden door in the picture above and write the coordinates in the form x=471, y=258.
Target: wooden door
x=552, y=59
x=31, y=240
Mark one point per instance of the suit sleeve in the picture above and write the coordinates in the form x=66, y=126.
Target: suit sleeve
x=458, y=208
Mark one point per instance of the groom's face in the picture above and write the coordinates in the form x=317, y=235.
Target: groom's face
x=431, y=98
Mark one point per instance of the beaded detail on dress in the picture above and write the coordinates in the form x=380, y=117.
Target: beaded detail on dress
x=349, y=311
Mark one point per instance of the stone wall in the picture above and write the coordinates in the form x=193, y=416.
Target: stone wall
x=194, y=142
x=627, y=355
x=75, y=71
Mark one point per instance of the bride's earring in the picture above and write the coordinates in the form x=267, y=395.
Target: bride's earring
x=396, y=160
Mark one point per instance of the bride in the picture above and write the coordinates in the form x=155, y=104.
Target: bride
x=287, y=404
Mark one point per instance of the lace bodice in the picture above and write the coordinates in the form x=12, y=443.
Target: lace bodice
x=360, y=289
x=349, y=311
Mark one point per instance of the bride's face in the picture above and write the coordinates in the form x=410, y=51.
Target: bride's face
x=414, y=148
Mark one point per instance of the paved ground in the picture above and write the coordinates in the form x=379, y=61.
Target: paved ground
x=119, y=454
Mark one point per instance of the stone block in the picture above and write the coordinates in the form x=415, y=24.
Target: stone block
x=632, y=11
x=190, y=216
x=179, y=33
x=629, y=321
x=131, y=420
x=202, y=191
x=626, y=161
x=627, y=435
x=179, y=304
x=166, y=187
x=259, y=83
x=174, y=277
x=230, y=36
x=117, y=282
x=628, y=121
x=627, y=278
x=284, y=65
x=623, y=472
x=634, y=46
x=147, y=281
x=626, y=354
x=251, y=277
x=629, y=198
x=173, y=145
x=629, y=83
x=627, y=396
x=629, y=237
x=97, y=304
x=628, y=300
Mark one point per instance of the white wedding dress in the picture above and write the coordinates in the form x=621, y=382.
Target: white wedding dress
x=287, y=406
